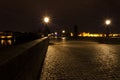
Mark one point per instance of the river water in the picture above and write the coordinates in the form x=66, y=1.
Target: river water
x=6, y=42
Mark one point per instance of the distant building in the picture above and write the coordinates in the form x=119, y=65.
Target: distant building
x=87, y=34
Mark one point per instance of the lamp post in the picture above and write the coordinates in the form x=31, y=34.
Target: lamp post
x=46, y=21
x=63, y=33
x=107, y=29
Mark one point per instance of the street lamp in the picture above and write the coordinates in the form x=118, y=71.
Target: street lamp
x=46, y=21
x=63, y=31
x=107, y=29
x=108, y=22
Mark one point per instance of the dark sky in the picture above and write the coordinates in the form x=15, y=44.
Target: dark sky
x=89, y=15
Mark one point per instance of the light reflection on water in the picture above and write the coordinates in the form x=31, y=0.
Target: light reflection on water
x=6, y=40
x=106, y=56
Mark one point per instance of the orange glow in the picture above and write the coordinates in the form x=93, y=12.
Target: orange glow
x=6, y=37
x=9, y=42
x=71, y=34
x=84, y=34
x=6, y=42
x=2, y=42
x=2, y=36
x=9, y=36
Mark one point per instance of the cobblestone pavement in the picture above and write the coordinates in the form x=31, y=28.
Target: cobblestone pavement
x=81, y=60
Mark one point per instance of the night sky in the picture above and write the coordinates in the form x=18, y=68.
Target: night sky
x=88, y=15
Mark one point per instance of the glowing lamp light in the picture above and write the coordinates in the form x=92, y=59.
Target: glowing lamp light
x=56, y=33
x=63, y=38
x=108, y=22
x=63, y=31
x=46, y=19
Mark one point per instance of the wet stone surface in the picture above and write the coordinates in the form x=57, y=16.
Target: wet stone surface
x=81, y=60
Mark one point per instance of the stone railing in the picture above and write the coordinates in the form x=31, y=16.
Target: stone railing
x=23, y=62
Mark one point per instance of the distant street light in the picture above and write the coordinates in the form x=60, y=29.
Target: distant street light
x=63, y=31
x=108, y=22
x=46, y=19
x=56, y=33
x=107, y=29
